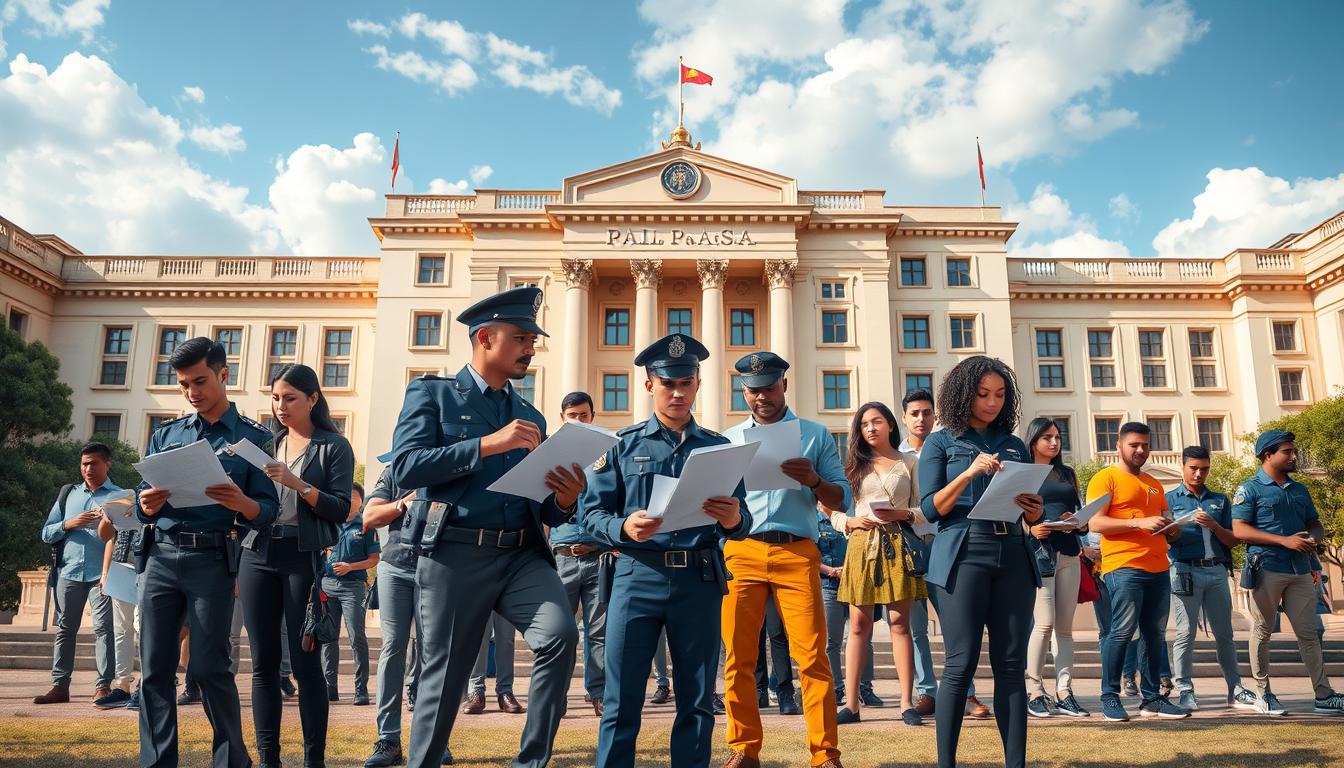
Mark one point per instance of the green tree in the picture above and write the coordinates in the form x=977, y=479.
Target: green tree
x=1320, y=439
x=1227, y=471
x=1085, y=470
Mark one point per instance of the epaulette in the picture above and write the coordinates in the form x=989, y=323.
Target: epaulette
x=630, y=430
x=174, y=421
x=712, y=433
x=253, y=424
x=430, y=377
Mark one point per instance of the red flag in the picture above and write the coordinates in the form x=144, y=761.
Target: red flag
x=695, y=76
x=980, y=160
x=396, y=159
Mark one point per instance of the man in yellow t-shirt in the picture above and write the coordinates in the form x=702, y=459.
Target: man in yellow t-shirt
x=1134, y=568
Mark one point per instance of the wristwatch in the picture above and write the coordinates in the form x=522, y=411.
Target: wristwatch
x=304, y=491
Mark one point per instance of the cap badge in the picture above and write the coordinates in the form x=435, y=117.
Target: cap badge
x=536, y=305
x=677, y=347
x=756, y=364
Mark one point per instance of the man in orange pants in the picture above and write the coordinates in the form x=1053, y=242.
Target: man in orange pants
x=779, y=559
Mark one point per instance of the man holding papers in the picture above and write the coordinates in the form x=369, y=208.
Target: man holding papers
x=779, y=561
x=663, y=579
x=189, y=560
x=484, y=551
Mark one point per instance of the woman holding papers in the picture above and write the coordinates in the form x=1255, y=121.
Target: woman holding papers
x=876, y=568
x=1057, y=549
x=314, y=473
x=982, y=570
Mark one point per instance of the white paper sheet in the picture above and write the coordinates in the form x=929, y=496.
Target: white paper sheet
x=573, y=443
x=778, y=442
x=248, y=451
x=997, y=503
x=120, y=509
x=185, y=473
x=1178, y=522
x=708, y=472
x=1083, y=515
x=120, y=584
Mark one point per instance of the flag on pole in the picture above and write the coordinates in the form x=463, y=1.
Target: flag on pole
x=695, y=76
x=396, y=160
x=980, y=160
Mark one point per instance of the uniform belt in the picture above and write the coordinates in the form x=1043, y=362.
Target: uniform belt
x=485, y=537
x=1202, y=563
x=189, y=540
x=284, y=531
x=996, y=528
x=568, y=550
x=775, y=537
x=668, y=558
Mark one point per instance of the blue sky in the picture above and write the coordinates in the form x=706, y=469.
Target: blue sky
x=1109, y=127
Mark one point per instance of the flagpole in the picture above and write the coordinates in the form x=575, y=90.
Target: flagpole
x=681, y=96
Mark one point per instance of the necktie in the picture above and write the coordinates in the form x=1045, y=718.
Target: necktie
x=499, y=398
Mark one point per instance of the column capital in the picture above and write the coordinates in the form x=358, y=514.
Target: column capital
x=578, y=272
x=647, y=273
x=779, y=272
x=712, y=272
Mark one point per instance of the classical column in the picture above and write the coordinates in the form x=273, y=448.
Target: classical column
x=578, y=282
x=648, y=274
x=712, y=273
x=779, y=277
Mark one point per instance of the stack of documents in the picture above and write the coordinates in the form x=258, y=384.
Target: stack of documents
x=185, y=473
x=709, y=472
x=777, y=443
x=1079, y=521
x=574, y=443
x=1013, y=479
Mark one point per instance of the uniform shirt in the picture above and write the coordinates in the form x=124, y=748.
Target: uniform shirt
x=792, y=511
x=395, y=552
x=82, y=555
x=1282, y=510
x=620, y=481
x=1197, y=542
x=570, y=534
x=214, y=518
x=352, y=546
x=1132, y=497
x=832, y=544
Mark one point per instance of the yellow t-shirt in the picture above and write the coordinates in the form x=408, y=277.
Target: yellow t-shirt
x=1131, y=497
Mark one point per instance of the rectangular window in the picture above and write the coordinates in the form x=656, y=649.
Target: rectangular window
x=18, y=322
x=232, y=341
x=1201, y=344
x=116, y=356
x=912, y=272
x=169, y=340
x=737, y=401
x=914, y=381
x=835, y=391
x=1099, y=344
x=835, y=327
x=342, y=424
x=416, y=373
x=743, y=328
x=1160, y=437
x=615, y=392
x=1285, y=336
x=1107, y=431
x=431, y=268
x=107, y=425
x=616, y=327
x=1050, y=358
x=526, y=387
x=832, y=290
x=963, y=332
x=679, y=321
x=1051, y=375
x=428, y=329
x=1150, y=344
x=1065, y=433
x=841, y=443
x=1101, y=352
x=267, y=420
x=336, y=353
x=1154, y=375
x=1103, y=375
x=915, y=333
x=1290, y=386
x=1050, y=343
x=958, y=273
x=1152, y=356
x=283, y=350
x=156, y=420
x=1210, y=430
x=1203, y=367
x=1205, y=374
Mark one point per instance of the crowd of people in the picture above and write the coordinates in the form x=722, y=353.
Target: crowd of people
x=798, y=573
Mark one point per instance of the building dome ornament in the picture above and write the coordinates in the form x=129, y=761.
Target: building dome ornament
x=680, y=138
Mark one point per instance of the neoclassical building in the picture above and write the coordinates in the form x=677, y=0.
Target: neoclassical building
x=866, y=299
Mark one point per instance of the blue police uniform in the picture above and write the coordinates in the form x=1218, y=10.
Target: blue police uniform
x=190, y=562
x=484, y=551
x=673, y=580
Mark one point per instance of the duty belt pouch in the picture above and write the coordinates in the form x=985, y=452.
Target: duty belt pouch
x=233, y=551
x=429, y=524
x=713, y=569
x=142, y=548
x=1182, y=580
x=1045, y=557
x=606, y=575
x=1250, y=571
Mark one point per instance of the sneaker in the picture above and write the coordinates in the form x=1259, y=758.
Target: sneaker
x=846, y=716
x=788, y=703
x=719, y=709
x=447, y=757
x=190, y=695
x=1165, y=687
x=1330, y=705
x=1129, y=686
x=133, y=703
x=840, y=697
x=287, y=686
x=924, y=705
x=1112, y=711
x=1163, y=708
x=1068, y=706
x=869, y=699
x=1268, y=704
x=385, y=753
x=361, y=699
x=771, y=697
x=115, y=699
x=661, y=694
x=1243, y=699
x=1040, y=707
x=911, y=717
x=1188, y=702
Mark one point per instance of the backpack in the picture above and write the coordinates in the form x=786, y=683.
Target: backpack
x=58, y=549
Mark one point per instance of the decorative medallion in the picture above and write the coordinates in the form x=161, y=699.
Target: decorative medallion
x=677, y=347
x=616, y=287
x=742, y=288
x=679, y=288
x=680, y=179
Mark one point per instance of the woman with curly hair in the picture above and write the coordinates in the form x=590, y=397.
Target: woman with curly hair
x=875, y=571
x=983, y=572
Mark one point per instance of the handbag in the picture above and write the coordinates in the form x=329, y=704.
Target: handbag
x=320, y=623
x=1088, y=592
x=916, y=551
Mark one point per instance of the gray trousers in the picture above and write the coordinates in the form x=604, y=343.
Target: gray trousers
x=1298, y=595
x=1212, y=598
x=580, y=575
x=660, y=661
x=71, y=598
x=347, y=596
x=125, y=626
x=396, y=613
x=501, y=632
x=460, y=585
x=837, y=616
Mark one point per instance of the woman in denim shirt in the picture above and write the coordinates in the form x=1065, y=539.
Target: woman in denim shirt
x=983, y=572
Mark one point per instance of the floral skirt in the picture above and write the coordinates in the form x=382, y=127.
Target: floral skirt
x=874, y=572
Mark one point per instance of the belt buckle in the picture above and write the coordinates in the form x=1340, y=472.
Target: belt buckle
x=1000, y=528
x=183, y=540
x=675, y=559
x=499, y=539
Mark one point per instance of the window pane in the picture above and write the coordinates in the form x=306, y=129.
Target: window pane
x=912, y=272
x=1154, y=375
x=335, y=375
x=1103, y=375
x=1201, y=343
x=958, y=272
x=284, y=342
x=1285, y=336
x=915, y=332
x=616, y=327
x=963, y=332
x=526, y=387
x=1150, y=343
x=340, y=423
x=431, y=269
x=113, y=373
x=231, y=339
x=615, y=392
x=1065, y=440
x=1049, y=344
x=1290, y=386
x=170, y=339
x=1099, y=343
x=107, y=425
x=1160, y=437
x=117, y=341
x=826, y=291
x=739, y=402
x=841, y=443
x=274, y=370
x=1107, y=433
x=743, y=328
x=1205, y=375
x=914, y=381
x=835, y=389
x=338, y=342
x=428, y=330
x=1211, y=433
x=834, y=327
x=679, y=321
x=154, y=423
x=1052, y=376
x=163, y=374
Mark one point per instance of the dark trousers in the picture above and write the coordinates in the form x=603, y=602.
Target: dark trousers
x=991, y=587
x=779, y=673
x=1102, y=609
x=1139, y=600
x=275, y=589
x=192, y=585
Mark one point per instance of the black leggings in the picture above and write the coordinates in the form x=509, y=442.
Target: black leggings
x=274, y=588
x=992, y=586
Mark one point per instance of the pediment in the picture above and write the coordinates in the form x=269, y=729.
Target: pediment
x=639, y=182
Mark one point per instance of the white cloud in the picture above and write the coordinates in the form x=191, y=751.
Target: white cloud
x=1246, y=208
x=1122, y=208
x=193, y=93
x=1046, y=213
x=475, y=177
x=80, y=16
x=1079, y=245
x=451, y=77
x=322, y=196
x=452, y=38
x=218, y=138
x=364, y=27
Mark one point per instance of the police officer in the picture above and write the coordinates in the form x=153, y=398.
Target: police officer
x=484, y=551
x=675, y=580
x=1276, y=517
x=189, y=561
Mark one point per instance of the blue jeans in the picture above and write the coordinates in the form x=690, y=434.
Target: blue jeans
x=837, y=615
x=1139, y=601
x=1102, y=608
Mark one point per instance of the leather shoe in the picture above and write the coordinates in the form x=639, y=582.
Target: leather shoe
x=719, y=709
x=788, y=703
x=661, y=694
x=762, y=698
x=287, y=686
x=101, y=691
x=975, y=710
x=924, y=705
x=598, y=706
x=333, y=693
x=58, y=694
x=475, y=704
x=739, y=760
x=447, y=757
x=190, y=695
x=507, y=703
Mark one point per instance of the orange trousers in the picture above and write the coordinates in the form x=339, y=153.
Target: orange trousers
x=792, y=574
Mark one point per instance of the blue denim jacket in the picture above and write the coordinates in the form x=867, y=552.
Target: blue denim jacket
x=833, y=546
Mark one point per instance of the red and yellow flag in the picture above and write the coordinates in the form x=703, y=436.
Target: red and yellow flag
x=695, y=76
